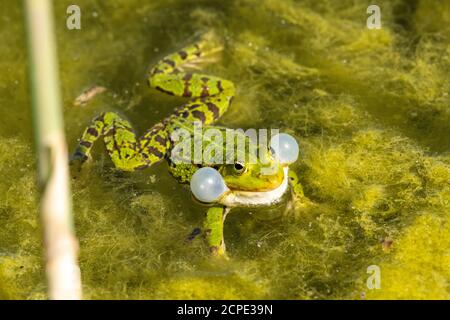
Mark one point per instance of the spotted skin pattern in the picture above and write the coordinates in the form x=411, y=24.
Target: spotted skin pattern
x=209, y=97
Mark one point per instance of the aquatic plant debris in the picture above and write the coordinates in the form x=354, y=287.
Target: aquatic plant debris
x=370, y=109
x=88, y=94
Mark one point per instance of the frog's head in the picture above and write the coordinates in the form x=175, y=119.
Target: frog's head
x=261, y=181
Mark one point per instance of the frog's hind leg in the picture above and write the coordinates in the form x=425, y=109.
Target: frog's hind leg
x=121, y=143
x=153, y=145
x=167, y=77
x=210, y=96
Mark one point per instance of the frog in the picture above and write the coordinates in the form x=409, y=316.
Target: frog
x=208, y=98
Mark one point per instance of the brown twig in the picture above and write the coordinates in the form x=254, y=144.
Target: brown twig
x=61, y=246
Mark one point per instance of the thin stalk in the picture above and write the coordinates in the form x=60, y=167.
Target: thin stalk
x=60, y=244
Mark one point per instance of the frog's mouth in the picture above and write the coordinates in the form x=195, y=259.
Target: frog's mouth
x=234, y=198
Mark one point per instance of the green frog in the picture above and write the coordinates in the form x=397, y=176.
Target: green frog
x=209, y=97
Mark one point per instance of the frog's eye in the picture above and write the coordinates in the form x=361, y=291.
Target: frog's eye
x=239, y=167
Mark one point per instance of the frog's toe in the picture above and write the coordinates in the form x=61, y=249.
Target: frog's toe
x=210, y=44
x=210, y=37
x=199, y=63
x=219, y=253
x=209, y=55
x=76, y=161
x=78, y=158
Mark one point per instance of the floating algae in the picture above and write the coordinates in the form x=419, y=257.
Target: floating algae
x=370, y=109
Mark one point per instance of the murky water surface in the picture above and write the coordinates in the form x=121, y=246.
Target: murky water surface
x=370, y=109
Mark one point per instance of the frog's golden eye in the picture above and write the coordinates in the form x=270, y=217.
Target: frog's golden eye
x=239, y=168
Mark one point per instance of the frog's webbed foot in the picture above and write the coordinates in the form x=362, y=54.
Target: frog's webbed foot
x=76, y=161
x=197, y=64
x=204, y=51
x=213, y=230
x=77, y=158
x=210, y=44
x=210, y=47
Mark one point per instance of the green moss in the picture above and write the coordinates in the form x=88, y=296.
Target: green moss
x=369, y=108
x=228, y=287
x=20, y=245
x=420, y=257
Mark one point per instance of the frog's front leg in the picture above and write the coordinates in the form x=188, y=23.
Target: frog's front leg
x=126, y=151
x=298, y=202
x=296, y=186
x=213, y=229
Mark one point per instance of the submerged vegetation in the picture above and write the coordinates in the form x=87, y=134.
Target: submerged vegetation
x=370, y=109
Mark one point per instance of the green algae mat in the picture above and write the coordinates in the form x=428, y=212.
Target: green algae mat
x=370, y=109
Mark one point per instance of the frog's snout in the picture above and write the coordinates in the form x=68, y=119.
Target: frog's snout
x=208, y=185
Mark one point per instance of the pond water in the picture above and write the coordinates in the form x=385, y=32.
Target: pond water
x=370, y=109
